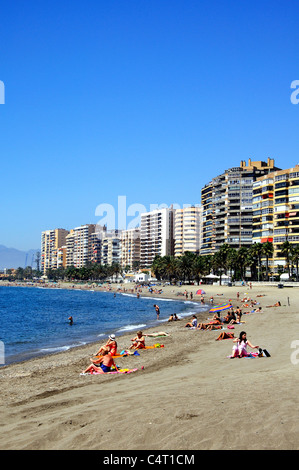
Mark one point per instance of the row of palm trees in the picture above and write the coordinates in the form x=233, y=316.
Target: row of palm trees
x=190, y=266
x=90, y=272
x=229, y=261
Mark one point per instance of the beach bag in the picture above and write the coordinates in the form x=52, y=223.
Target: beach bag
x=264, y=353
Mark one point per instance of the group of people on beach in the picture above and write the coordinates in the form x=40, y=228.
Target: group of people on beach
x=103, y=360
x=233, y=317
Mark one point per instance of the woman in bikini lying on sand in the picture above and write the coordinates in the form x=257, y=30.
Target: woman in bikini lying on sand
x=215, y=324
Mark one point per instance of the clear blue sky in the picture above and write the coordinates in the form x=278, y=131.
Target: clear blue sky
x=146, y=99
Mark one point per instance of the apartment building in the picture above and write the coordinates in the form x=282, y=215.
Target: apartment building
x=96, y=239
x=227, y=206
x=111, y=248
x=187, y=230
x=51, y=242
x=156, y=235
x=130, y=247
x=276, y=211
x=79, y=245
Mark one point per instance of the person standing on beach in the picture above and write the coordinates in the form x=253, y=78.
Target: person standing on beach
x=157, y=311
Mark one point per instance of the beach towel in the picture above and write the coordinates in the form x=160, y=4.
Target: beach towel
x=119, y=371
x=261, y=353
x=157, y=345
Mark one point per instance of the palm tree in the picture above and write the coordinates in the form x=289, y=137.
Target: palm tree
x=220, y=259
x=255, y=254
x=232, y=261
x=185, y=264
x=157, y=266
x=267, y=251
x=286, y=251
x=295, y=259
x=170, y=267
x=200, y=267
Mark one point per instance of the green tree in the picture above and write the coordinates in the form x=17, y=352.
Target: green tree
x=286, y=250
x=267, y=251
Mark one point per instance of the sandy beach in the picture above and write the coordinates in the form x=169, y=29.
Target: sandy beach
x=187, y=395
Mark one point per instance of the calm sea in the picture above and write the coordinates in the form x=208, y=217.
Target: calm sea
x=34, y=321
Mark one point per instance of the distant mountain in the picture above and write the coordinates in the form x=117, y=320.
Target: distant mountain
x=13, y=258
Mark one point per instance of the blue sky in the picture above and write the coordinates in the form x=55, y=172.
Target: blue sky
x=143, y=99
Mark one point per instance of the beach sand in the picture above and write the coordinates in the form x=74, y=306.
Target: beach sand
x=189, y=396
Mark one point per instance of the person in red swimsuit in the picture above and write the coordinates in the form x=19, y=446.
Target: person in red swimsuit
x=110, y=346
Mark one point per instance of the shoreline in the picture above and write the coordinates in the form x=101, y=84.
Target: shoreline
x=188, y=396
x=86, y=287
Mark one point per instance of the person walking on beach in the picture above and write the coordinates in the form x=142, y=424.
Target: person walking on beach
x=157, y=311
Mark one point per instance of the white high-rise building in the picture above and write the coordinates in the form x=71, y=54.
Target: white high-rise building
x=78, y=244
x=156, y=235
x=187, y=230
x=51, y=241
x=130, y=247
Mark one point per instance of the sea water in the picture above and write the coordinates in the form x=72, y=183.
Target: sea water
x=34, y=321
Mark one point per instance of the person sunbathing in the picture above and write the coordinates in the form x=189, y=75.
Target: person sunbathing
x=212, y=325
x=160, y=333
x=106, y=362
x=278, y=304
x=110, y=346
x=224, y=335
x=138, y=341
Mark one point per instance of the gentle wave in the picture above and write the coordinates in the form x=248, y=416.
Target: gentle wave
x=131, y=327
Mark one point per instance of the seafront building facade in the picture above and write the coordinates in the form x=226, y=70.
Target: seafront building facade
x=111, y=248
x=130, y=248
x=227, y=206
x=78, y=244
x=276, y=212
x=187, y=230
x=156, y=235
x=52, y=242
x=253, y=203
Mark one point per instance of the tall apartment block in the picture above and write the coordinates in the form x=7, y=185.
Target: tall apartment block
x=52, y=242
x=130, y=247
x=227, y=206
x=276, y=211
x=95, y=244
x=156, y=235
x=78, y=243
x=187, y=230
x=111, y=248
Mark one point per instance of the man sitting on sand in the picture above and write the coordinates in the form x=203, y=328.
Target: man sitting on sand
x=106, y=362
x=138, y=341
